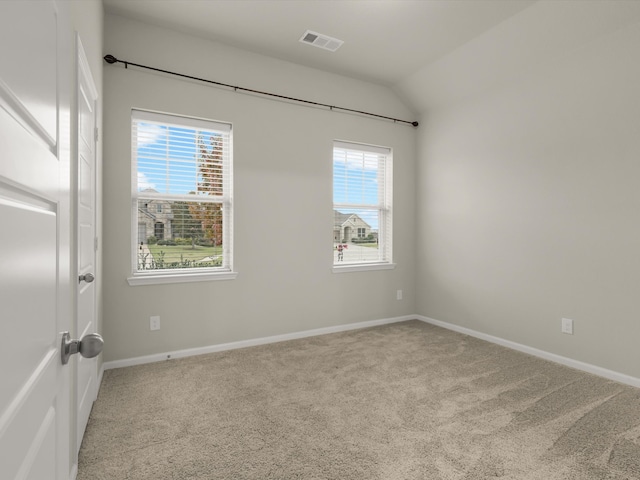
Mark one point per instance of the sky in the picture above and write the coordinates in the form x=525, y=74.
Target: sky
x=166, y=163
x=355, y=180
x=166, y=158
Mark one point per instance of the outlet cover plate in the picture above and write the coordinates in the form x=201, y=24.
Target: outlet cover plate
x=154, y=322
x=567, y=326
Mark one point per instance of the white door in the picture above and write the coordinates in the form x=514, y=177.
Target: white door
x=34, y=241
x=87, y=374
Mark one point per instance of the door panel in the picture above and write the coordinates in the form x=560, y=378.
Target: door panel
x=34, y=387
x=28, y=53
x=87, y=375
x=32, y=274
x=28, y=298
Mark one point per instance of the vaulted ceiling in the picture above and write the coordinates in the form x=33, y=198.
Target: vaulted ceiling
x=384, y=40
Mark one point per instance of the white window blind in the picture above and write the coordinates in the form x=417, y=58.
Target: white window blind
x=362, y=201
x=182, y=194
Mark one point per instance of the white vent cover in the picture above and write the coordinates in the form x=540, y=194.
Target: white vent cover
x=321, y=41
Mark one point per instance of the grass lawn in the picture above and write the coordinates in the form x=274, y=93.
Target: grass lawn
x=370, y=245
x=178, y=253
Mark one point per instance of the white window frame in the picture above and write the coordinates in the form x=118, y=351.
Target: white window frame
x=384, y=206
x=182, y=275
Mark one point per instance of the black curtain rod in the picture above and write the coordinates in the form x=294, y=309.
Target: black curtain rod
x=111, y=60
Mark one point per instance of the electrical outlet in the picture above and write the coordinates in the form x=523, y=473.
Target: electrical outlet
x=399, y=295
x=154, y=323
x=567, y=326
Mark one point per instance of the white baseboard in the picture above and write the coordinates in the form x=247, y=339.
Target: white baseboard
x=569, y=362
x=158, y=357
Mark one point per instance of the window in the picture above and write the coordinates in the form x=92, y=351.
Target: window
x=362, y=230
x=182, y=199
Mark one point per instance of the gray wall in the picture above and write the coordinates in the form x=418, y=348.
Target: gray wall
x=283, y=186
x=517, y=197
x=528, y=193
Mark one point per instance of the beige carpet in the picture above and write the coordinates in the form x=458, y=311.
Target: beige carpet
x=401, y=401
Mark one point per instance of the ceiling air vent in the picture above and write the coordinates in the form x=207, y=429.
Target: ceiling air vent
x=321, y=41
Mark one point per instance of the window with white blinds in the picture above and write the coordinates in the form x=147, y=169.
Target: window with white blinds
x=182, y=195
x=362, y=201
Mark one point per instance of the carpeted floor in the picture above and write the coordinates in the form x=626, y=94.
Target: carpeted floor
x=400, y=401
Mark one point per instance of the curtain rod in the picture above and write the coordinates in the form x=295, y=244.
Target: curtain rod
x=110, y=59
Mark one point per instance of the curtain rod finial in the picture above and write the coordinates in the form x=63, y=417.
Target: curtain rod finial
x=415, y=124
x=110, y=59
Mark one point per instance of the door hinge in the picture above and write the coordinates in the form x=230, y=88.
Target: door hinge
x=96, y=134
x=95, y=244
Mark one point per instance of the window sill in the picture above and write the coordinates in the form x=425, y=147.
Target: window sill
x=363, y=267
x=155, y=279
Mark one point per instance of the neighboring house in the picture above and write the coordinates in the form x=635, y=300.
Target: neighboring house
x=349, y=225
x=154, y=219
